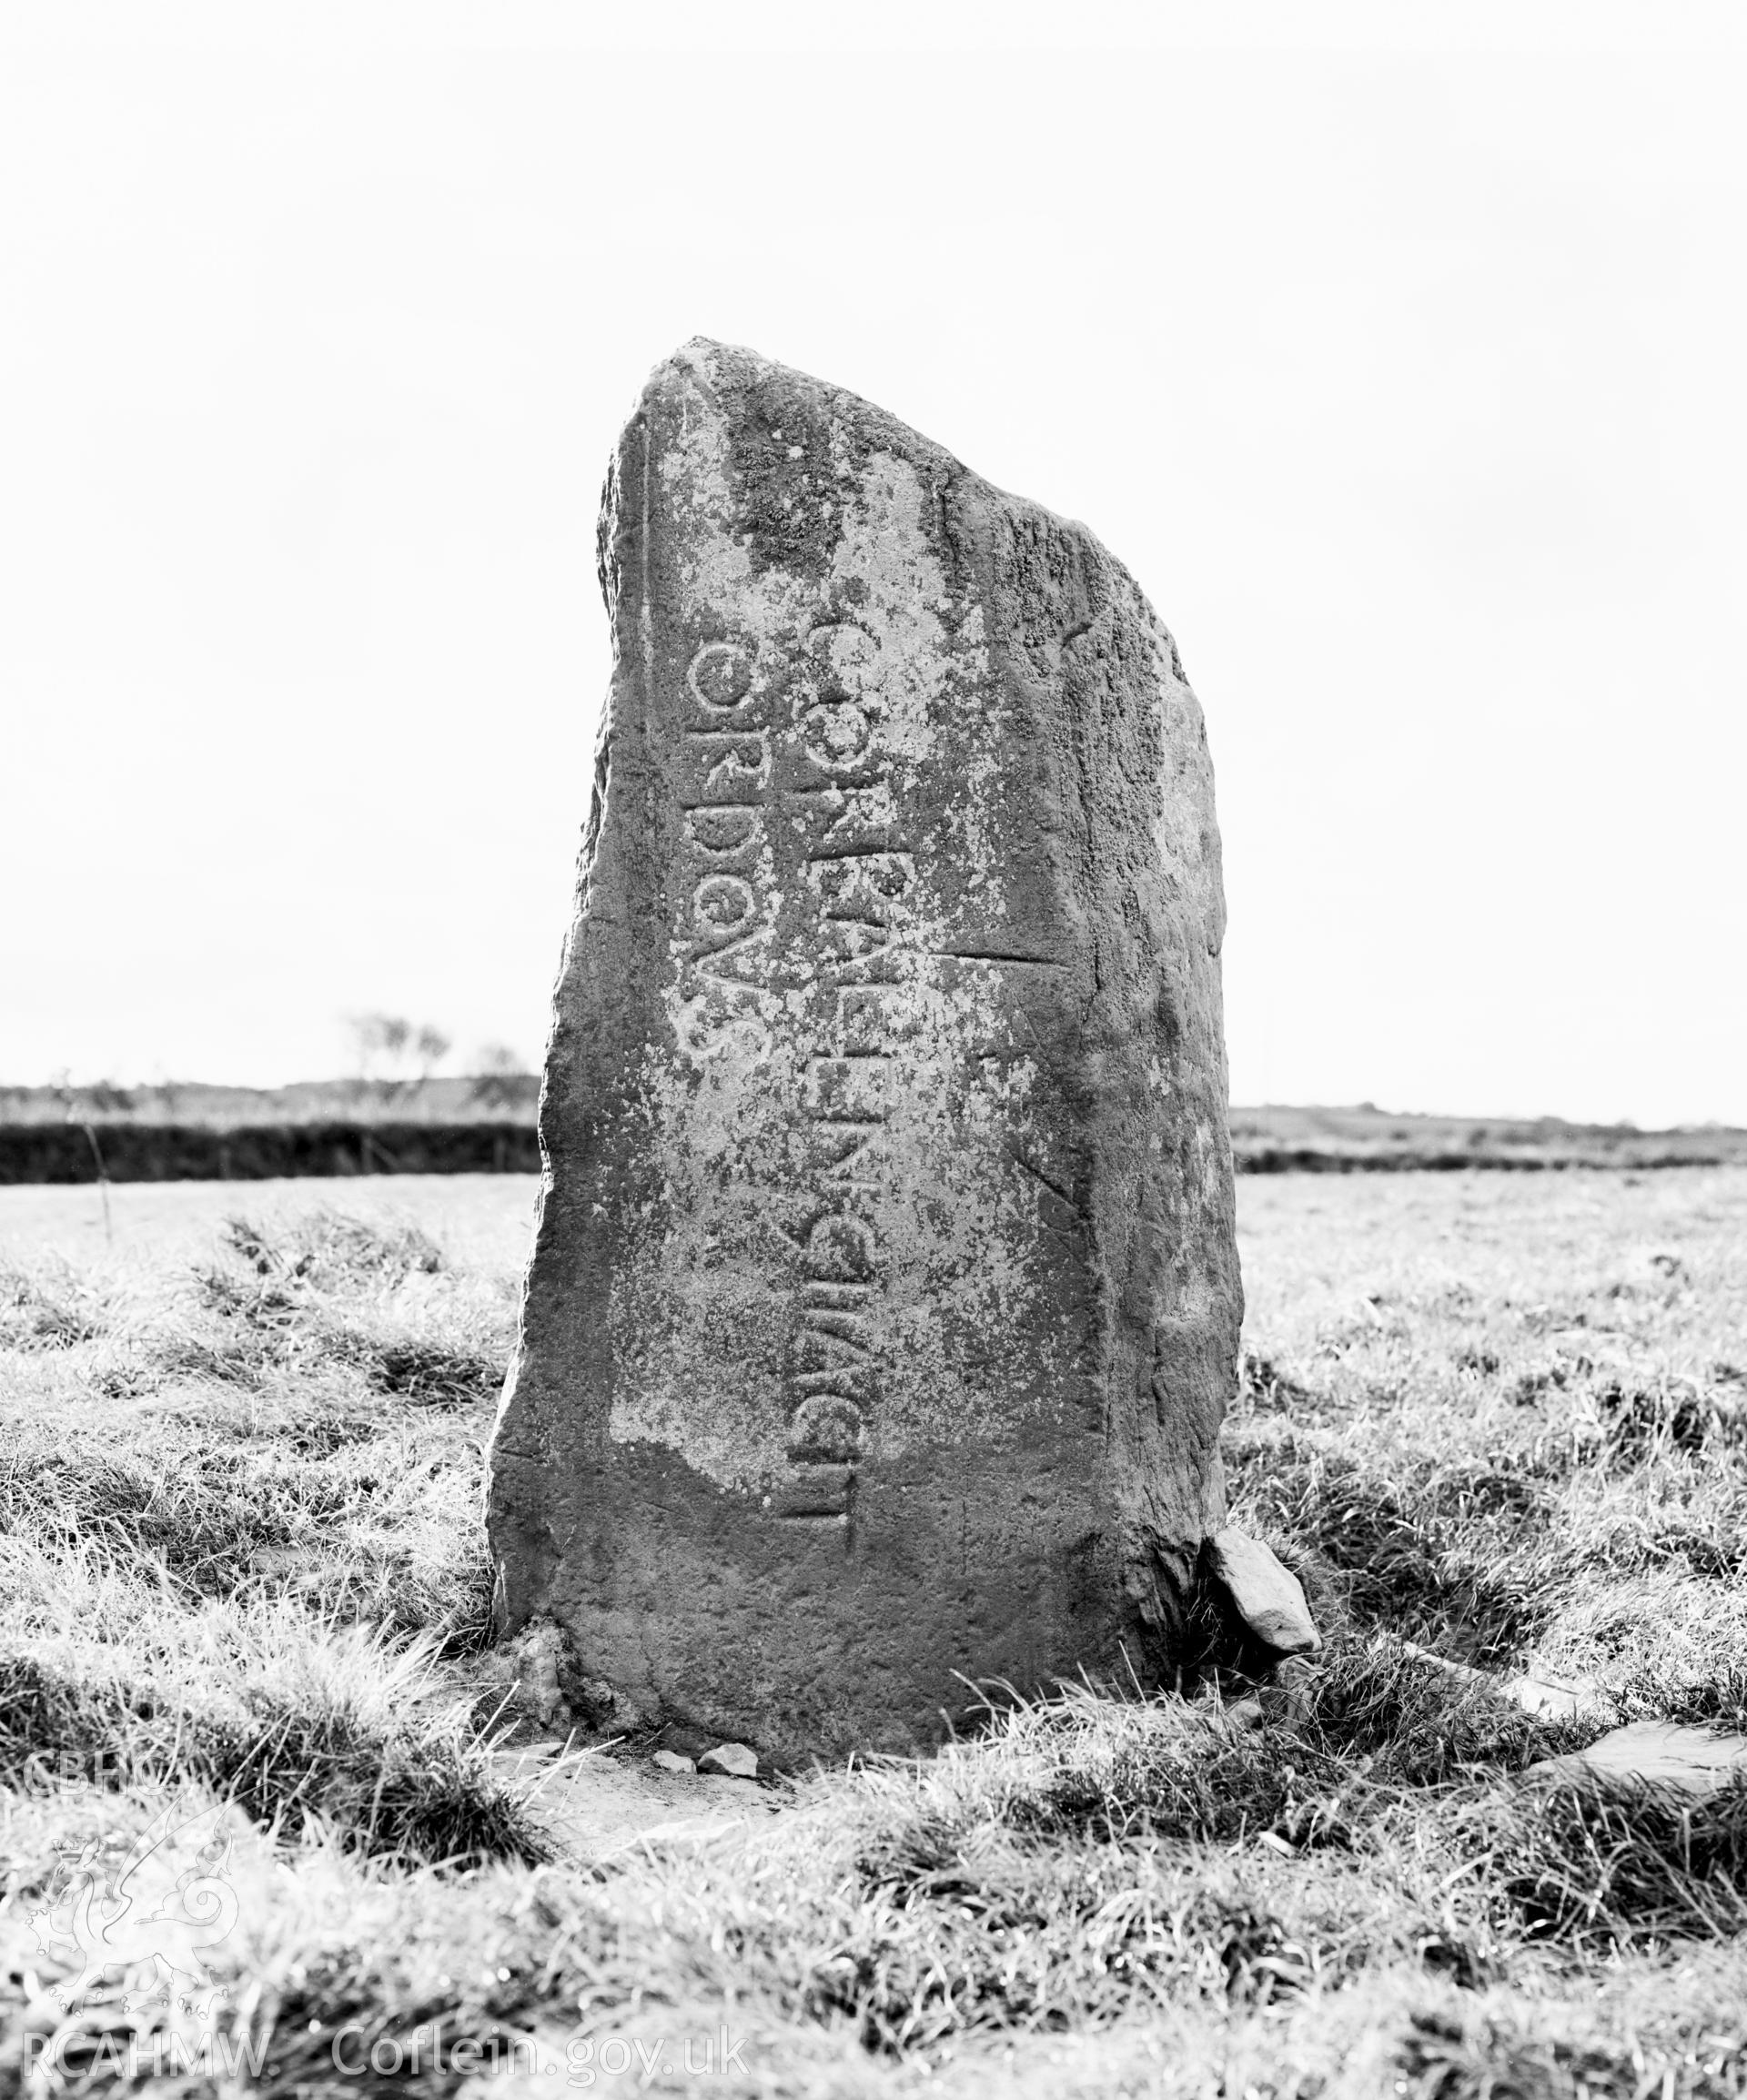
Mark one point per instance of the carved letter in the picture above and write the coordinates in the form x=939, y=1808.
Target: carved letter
x=719, y=676
x=747, y=754
x=721, y=830
x=836, y=737
x=825, y=1429
x=842, y=1249
x=723, y=903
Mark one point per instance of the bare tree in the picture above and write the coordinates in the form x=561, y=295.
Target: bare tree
x=394, y=1053
x=99, y=1096
x=429, y=1046
x=501, y=1076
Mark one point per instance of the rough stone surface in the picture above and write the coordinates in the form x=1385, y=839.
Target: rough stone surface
x=1268, y=1597
x=1664, y=1753
x=885, y=1301
x=738, y=1759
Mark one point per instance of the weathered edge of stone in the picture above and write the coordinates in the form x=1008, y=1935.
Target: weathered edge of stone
x=1266, y=1595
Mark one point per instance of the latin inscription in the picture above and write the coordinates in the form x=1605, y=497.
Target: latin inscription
x=855, y=878
x=728, y=925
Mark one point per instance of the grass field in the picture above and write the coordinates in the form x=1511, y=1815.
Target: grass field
x=1499, y=1417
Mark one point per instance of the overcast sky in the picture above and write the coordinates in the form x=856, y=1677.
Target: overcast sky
x=1409, y=382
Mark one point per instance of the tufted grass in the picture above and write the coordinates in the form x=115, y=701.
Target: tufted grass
x=1500, y=1422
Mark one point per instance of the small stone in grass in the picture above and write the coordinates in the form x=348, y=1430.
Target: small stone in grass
x=1536, y=1690
x=733, y=1758
x=1267, y=1596
x=1290, y=1695
x=1551, y=1698
x=1662, y=1753
x=1460, y=1670
x=671, y=1761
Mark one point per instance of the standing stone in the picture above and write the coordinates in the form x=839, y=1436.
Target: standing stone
x=885, y=1301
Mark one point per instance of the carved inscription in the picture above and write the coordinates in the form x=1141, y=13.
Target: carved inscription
x=725, y=782
x=820, y=772
x=857, y=879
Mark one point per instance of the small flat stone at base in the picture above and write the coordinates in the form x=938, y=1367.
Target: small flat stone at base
x=671, y=1761
x=734, y=1758
x=1665, y=1754
x=1269, y=1597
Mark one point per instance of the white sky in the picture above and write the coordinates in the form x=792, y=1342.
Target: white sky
x=1410, y=380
